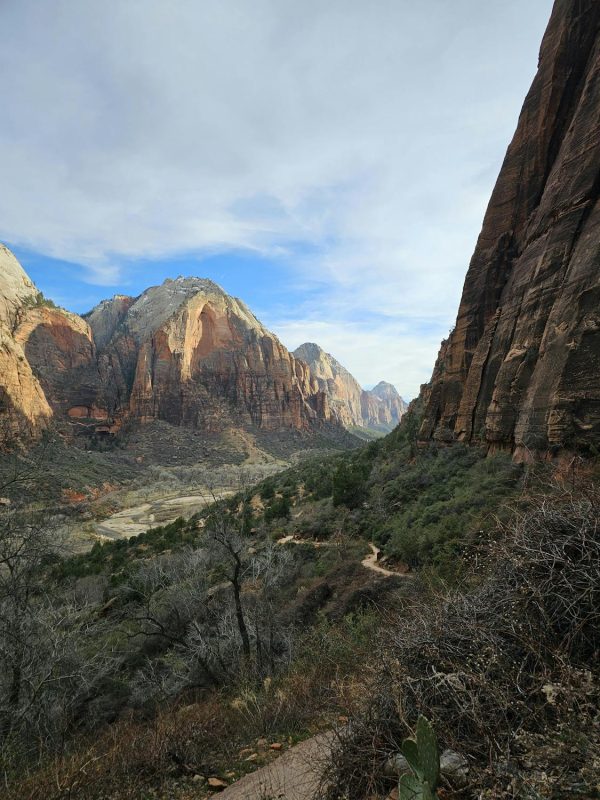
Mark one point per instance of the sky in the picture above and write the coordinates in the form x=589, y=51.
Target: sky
x=327, y=161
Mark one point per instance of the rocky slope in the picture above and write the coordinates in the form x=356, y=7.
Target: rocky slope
x=184, y=353
x=378, y=409
x=521, y=369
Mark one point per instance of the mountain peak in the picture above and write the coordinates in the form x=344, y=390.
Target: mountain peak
x=379, y=409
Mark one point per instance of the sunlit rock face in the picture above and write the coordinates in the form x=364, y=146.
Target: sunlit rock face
x=184, y=352
x=188, y=353
x=521, y=369
x=22, y=399
x=380, y=408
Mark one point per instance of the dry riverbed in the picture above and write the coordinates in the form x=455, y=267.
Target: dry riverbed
x=133, y=521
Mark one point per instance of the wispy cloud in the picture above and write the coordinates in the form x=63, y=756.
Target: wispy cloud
x=367, y=134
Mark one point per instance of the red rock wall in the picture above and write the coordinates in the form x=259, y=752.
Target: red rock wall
x=521, y=369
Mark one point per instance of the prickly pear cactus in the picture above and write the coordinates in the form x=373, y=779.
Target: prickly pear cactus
x=423, y=758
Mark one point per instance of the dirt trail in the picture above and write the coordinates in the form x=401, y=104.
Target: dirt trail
x=294, y=776
x=370, y=562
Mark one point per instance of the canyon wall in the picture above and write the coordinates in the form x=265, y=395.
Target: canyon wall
x=184, y=352
x=378, y=410
x=521, y=369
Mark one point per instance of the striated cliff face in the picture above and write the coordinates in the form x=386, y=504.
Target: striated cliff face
x=22, y=399
x=184, y=352
x=382, y=407
x=342, y=390
x=521, y=370
x=188, y=353
x=379, y=409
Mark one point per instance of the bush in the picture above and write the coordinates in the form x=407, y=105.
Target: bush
x=509, y=654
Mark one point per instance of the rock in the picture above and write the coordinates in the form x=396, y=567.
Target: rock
x=521, y=369
x=16, y=288
x=382, y=407
x=217, y=784
x=452, y=764
x=262, y=743
x=4, y=501
x=201, y=358
x=184, y=352
x=22, y=400
x=252, y=757
x=395, y=765
x=276, y=746
x=353, y=407
x=199, y=779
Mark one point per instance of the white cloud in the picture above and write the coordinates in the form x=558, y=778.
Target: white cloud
x=370, y=132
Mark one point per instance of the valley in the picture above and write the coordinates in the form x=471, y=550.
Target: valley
x=227, y=567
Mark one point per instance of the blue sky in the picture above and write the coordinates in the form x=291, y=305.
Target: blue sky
x=328, y=162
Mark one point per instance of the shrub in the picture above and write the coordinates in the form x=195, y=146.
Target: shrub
x=509, y=654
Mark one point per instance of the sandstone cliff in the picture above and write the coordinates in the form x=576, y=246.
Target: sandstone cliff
x=188, y=353
x=342, y=390
x=184, y=352
x=379, y=409
x=22, y=399
x=521, y=370
x=382, y=407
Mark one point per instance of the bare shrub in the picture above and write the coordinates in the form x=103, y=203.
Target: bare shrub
x=506, y=656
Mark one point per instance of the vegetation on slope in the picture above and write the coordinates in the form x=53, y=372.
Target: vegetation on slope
x=177, y=649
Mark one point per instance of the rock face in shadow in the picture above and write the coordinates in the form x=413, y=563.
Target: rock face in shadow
x=521, y=369
x=378, y=409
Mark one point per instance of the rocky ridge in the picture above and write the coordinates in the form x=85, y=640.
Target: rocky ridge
x=188, y=353
x=521, y=369
x=184, y=352
x=379, y=409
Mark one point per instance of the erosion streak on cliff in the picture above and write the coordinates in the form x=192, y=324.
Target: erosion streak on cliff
x=521, y=370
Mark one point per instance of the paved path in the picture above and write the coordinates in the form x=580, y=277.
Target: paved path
x=293, y=776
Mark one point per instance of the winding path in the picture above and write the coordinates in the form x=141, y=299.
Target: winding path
x=368, y=562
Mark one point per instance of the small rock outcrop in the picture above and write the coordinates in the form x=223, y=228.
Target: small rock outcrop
x=521, y=369
x=379, y=409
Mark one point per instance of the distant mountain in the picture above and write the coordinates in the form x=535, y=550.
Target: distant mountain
x=377, y=410
x=382, y=406
x=184, y=352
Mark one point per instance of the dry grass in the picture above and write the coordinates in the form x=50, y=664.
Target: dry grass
x=508, y=658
